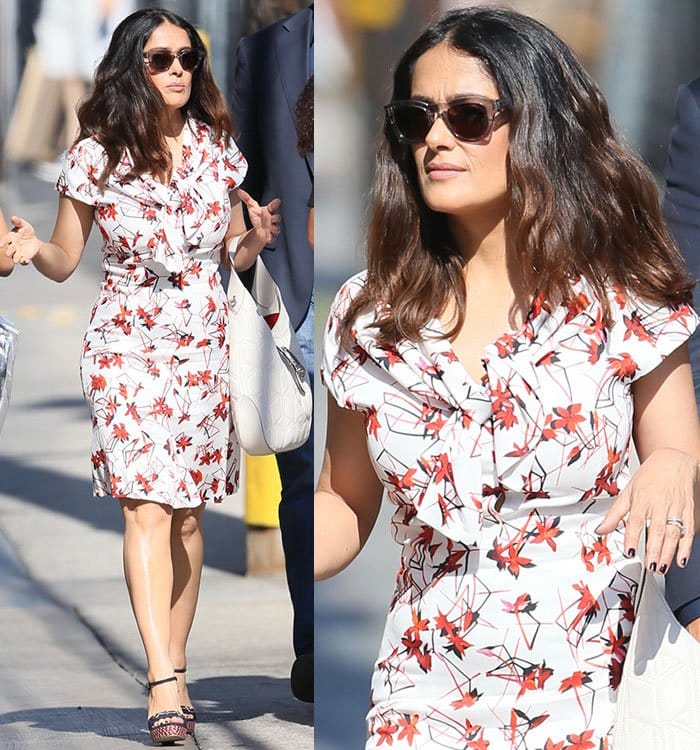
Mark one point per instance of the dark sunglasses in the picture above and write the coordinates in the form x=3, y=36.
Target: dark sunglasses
x=160, y=60
x=469, y=118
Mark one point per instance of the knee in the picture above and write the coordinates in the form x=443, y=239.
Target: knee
x=146, y=517
x=186, y=524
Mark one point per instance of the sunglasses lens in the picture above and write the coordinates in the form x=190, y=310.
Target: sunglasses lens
x=189, y=60
x=412, y=122
x=160, y=61
x=468, y=120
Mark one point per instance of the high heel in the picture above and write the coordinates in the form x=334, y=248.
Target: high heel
x=187, y=711
x=161, y=726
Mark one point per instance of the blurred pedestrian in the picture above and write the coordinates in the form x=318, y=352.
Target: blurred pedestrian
x=682, y=211
x=272, y=67
x=154, y=167
x=305, y=142
x=524, y=313
x=71, y=37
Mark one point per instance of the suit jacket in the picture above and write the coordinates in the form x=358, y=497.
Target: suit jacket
x=682, y=211
x=272, y=68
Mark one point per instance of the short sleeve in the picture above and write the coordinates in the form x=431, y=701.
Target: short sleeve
x=645, y=333
x=342, y=367
x=83, y=164
x=234, y=165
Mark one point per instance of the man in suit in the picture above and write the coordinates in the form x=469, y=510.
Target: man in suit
x=682, y=211
x=272, y=68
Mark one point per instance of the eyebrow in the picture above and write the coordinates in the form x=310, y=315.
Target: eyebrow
x=430, y=100
x=168, y=49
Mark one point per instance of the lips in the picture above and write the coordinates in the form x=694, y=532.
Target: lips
x=443, y=171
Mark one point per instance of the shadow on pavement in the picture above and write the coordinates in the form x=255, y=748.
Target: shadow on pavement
x=251, y=696
x=123, y=724
x=224, y=547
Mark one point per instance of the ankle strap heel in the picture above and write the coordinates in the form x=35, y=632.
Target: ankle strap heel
x=166, y=727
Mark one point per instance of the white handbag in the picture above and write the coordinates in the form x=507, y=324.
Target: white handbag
x=270, y=392
x=658, y=701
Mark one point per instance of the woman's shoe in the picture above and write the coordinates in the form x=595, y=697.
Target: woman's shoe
x=187, y=711
x=166, y=727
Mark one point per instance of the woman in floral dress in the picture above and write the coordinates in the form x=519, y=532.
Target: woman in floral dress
x=155, y=168
x=523, y=316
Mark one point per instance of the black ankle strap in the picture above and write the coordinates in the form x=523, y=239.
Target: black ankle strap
x=180, y=671
x=150, y=685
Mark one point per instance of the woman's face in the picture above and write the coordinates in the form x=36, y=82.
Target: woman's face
x=458, y=177
x=174, y=84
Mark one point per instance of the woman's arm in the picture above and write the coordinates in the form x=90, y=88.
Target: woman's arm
x=246, y=244
x=59, y=257
x=348, y=495
x=667, y=484
x=6, y=264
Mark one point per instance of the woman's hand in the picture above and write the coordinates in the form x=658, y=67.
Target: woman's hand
x=20, y=243
x=264, y=220
x=661, y=494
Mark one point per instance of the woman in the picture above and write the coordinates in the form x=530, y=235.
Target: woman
x=154, y=167
x=523, y=313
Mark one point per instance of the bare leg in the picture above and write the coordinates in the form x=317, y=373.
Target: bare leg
x=187, y=548
x=149, y=577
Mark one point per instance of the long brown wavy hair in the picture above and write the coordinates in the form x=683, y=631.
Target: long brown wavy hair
x=580, y=200
x=123, y=110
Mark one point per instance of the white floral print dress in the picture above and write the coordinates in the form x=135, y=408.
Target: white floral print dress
x=510, y=618
x=154, y=366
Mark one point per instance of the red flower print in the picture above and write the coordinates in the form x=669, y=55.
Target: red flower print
x=551, y=745
x=580, y=741
x=569, y=418
x=408, y=728
x=120, y=432
x=623, y=366
x=576, y=680
x=635, y=328
x=547, y=531
x=404, y=482
x=98, y=458
x=372, y=422
x=478, y=744
x=576, y=306
x=595, y=349
x=98, y=383
x=419, y=625
x=467, y=700
x=385, y=733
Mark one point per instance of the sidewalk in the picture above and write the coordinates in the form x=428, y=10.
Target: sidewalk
x=72, y=670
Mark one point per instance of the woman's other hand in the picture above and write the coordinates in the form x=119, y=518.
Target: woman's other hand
x=661, y=490
x=20, y=244
x=265, y=220
x=664, y=492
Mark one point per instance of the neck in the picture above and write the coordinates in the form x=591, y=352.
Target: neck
x=488, y=251
x=481, y=239
x=172, y=122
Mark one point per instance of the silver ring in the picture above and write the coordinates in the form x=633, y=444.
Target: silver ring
x=678, y=523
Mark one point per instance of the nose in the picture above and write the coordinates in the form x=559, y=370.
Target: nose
x=176, y=67
x=439, y=135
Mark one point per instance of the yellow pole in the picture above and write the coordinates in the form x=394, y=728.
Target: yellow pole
x=263, y=490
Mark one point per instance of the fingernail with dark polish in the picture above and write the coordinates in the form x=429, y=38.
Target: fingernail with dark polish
x=662, y=569
x=652, y=567
x=684, y=562
x=630, y=552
